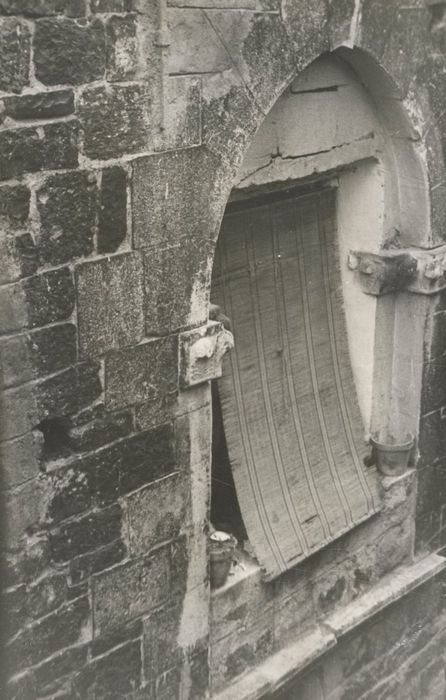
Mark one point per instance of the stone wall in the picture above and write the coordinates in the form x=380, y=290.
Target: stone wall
x=123, y=125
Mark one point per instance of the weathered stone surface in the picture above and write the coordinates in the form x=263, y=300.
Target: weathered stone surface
x=161, y=650
x=98, y=479
x=112, y=5
x=433, y=394
x=175, y=288
x=49, y=297
x=261, y=50
x=33, y=355
x=152, y=457
x=110, y=303
x=69, y=391
x=59, y=395
x=14, y=55
x=112, y=225
x=22, y=508
x=340, y=22
x=45, y=595
x=152, y=413
x=20, y=458
x=229, y=116
x=42, y=8
x=130, y=590
x=51, y=676
x=172, y=198
x=294, y=615
x=66, y=51
x=86, y=534
x=122, y=48
x=14, y=204
x=115, y=120
x=43, y=105
x=50, y=147
x=157, y=513
x=182, y=117
x=67, y=208
x=113, y=675
x=69, y=625
x=141, y=373
x=129, y=632
x=432, y=438
x=198, y=48
x=104, y=429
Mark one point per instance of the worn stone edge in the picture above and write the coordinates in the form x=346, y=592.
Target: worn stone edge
x=282, y=666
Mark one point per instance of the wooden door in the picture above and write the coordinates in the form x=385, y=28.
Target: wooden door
x=291, y=417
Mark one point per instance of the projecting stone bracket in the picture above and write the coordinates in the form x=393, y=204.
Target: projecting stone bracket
x=404, y=270
x=201, y=353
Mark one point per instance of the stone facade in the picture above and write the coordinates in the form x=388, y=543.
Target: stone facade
x=123, y=126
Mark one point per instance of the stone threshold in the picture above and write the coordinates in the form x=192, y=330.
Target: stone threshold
x=281, y=667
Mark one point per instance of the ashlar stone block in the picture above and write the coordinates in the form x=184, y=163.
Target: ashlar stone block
x=110, y=303
x=14, y=54
x=142, y=373
x=66, y=51
x=130, y=590
x=67, y=207
x=157, y=512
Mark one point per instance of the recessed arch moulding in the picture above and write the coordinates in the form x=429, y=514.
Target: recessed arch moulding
x=343, y=118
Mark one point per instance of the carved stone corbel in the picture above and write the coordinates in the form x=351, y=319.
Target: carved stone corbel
x=414, y=270
x=201, y=352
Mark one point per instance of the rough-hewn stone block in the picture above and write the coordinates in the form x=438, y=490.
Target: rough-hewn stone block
x=62, y=394
x=99, y=478
x=103, y=429
x=80, y=536
x=66, y=51
x=151, y=456
x=110, y=303
x=157, y=513
x=50, y=147
x=33, y=355
x=115, y=120
x=42, y=8
x=130, y=590
x=122, y=48
x=69, y=391
x=114, y=675
x=43, y=105
x=141, y=373
x=49, y=297
x=152, y=413
x=20, y=458
x=82, y=567
x=67, y=208
x=112, y=226
x=14, y=55
x=52, y=677
x=14, y=203
x=67, y=626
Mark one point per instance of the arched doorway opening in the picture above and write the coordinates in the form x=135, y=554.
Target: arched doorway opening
x=318, y=364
